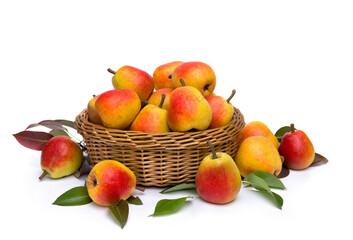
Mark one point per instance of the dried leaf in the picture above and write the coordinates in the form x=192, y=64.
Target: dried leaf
x=52, y=124
x=319, y=160
x=74, y=197
x=33, y=139
x=85, y=168
x=284, y=173
x=121, y=212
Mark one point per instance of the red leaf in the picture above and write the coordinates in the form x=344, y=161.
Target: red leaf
x=32, y=139
x=52, y=124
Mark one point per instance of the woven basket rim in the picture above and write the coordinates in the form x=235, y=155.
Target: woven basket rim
x=83, y=117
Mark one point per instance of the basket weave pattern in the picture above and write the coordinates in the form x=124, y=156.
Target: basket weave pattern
x=158, y=159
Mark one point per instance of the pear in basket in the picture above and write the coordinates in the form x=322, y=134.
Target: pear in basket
x=222, y=110
x=188, y=110
x=151, y=119
x=128, y=77
x=195, y=74
x=162, y=76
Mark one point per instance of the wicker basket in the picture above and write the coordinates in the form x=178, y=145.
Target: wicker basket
x=160, y=159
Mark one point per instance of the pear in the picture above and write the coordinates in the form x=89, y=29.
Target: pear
x=151, y=119
x=188, y=110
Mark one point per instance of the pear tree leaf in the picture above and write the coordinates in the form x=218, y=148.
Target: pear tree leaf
x=183, y=186
x=319, y=160
x=121, y=212
x=52, y=124
x=74, y=197
x=134, y=200
x=34, y=140
x=169, y=206
x=59, y=132
x=257, y=182
x=271, y=180
x=67, y=123
x=277, y=199
x=280, y=132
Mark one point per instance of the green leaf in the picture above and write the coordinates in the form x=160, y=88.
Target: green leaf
x=59, y=132
x=271, y=180
x=74, y=197
x=121, y=212
x=257, y=182
x=277, y=199
x=179, y=187
x=134, y=200
x=169, y=206
x=280, y=132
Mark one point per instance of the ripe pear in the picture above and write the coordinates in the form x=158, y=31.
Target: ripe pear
x=60, y=157
x=188, y=109
x=162, y=76
x=93, y=115
x=118, y=108
x=195, y=74
x=257, y=128
x=222, y=110
x=156, y=97
x=297, y=149
x=258, y=153
x=151, y=119
x=110, y=181
x=128, y=77
x=218, y=179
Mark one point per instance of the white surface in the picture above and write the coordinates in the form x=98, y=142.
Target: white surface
x=290, y=61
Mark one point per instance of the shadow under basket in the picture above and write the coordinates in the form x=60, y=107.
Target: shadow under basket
x=158, y=159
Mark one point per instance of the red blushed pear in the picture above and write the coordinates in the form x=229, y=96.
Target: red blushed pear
x=195, y=74
x=218, y=179
x=188, y=109
x=118, y=108
x=60, y=157
x=257, y=128
x=222, y=110
x=156, y=97
x=151, y=119
x=297, y=150
x=110, y=181
x=128, y=77
x=162, y=76
x=93, y=115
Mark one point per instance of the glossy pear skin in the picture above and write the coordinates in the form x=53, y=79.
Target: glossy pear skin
x=297, y=150
x=61, y=157
x=196, y=74
x=118, y=108
x=151, y=119
x=188, y=109
x=110, y=181
x=156, y=97
x=222, y=111
x=128, y=77
x=257, y=128
x=258, y=154
x=93, y=115
x=161, y=75
x=218, y=180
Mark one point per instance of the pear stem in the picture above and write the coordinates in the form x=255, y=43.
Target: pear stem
x=43, y=175
x=111, y=71
x=292, y=129
x=162, y=100
x=182, y=82
x=214, y=155
x=231, y=96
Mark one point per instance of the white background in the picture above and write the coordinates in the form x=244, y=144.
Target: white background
x=290, y=61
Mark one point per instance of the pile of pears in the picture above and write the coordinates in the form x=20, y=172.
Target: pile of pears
x=178, y=97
